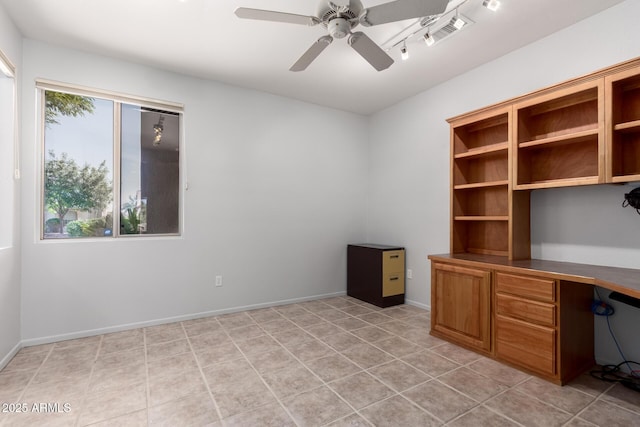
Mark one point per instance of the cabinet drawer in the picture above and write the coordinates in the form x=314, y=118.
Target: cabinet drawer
x=530, y=346
x=392, y=262
x=528, y=287
x=531, y=311
x=393, y=284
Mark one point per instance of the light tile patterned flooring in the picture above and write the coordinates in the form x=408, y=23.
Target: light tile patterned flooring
x=335, y=362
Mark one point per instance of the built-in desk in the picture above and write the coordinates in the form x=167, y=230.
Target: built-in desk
x=623, y=280
x=532, y=314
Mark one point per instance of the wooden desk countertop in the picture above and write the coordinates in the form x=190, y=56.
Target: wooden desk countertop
x=623, y=280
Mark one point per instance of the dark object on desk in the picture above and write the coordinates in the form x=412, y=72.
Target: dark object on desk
x=632, y=199
x=617, y=296
x=375, y=274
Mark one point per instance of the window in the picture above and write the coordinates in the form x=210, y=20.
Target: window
x=8, y=151
x=111, y=165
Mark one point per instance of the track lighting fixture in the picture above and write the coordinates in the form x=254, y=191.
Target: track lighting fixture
x=157, y=130
x=438, y=27
x=492, y=5
x=428, y=39
x=404, y=53
x=457, y=22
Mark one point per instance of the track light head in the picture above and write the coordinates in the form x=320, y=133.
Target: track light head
x=429, y=40
x=492, y=5
x=404, y=53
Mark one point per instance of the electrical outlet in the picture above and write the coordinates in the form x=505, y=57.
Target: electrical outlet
x=218, y=281
x=409, y=273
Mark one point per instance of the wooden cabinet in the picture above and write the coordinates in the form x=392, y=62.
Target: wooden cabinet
x=482, y=205
x=544, y=326
x=525, y=322
x=581, y=132
x=623, y=125
x=559, y=138
x=539, y=324
x=375, y=274
x=461, y=305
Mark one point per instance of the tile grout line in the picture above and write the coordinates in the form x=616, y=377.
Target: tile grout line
x=24, y=389
x=282, y=405
x=146, y=376
x=204, y=379
x=86, y=394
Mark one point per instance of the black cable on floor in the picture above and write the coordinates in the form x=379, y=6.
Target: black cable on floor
x=612, y=373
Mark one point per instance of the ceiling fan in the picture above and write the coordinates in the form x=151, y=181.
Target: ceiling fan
x=339, y=17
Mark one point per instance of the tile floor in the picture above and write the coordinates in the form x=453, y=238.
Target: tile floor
x=334, y=362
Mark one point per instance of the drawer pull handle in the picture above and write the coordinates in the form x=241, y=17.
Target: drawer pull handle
x=394, y=278
x=394, y=256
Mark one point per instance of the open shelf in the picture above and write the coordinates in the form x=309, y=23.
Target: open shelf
x=569, y=137
x=481, y=151
x=565, y=182
x=482, y=218
x=476, y=137
x=483, y=169
x=560, y=138
x=483, y=237
x=478, y=185
x=567, y=114
x=481, y=202
x=624, y=137
x=632, y=126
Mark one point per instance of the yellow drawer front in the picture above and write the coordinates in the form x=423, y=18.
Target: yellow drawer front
x=393, y=284
x=392, y=262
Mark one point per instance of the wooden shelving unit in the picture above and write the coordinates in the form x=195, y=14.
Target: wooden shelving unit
x=581, y=132
x=481, y=202
x=623, y=126
x=560, y=138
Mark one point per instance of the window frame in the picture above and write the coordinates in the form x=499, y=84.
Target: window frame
x=118, y=99
x=8, y=70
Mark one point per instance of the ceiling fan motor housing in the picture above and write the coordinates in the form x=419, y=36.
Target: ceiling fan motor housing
x=338, y=28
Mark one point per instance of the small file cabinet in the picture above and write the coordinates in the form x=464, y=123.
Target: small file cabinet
x=375, y=274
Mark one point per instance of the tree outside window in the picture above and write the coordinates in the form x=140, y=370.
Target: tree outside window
x=78, y=181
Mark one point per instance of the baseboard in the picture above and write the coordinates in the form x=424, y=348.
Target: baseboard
x=417, y=304
x=6, y=359
x=92, y=332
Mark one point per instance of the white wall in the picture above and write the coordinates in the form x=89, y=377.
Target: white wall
x=273, y=201
x=409, y=197
x=10, y=44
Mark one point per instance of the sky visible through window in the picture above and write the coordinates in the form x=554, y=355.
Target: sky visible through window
x=89, y=139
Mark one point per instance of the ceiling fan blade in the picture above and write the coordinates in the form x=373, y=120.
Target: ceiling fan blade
x=311, y=53
x=370, y=51
x=272, y=15
x=402, y=9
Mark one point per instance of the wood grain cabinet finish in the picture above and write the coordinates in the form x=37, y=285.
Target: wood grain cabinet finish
x=559, y=138
x=482, y=204
x=623, y=125
x=581, y=132
x=540, y=325
x=375, y=274
x=461, y=305
x=544, y=326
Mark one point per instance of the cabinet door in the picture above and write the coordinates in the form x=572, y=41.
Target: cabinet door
x=460, y=299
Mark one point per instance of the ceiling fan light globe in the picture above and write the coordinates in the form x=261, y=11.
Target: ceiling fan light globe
x=338, y=28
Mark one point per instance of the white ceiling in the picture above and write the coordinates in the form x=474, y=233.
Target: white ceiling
x=204, y=38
